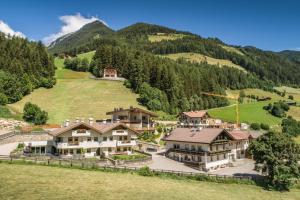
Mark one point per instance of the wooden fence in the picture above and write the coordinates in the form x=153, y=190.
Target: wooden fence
x=102, y=164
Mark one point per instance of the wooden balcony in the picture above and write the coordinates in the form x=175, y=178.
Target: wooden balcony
x=188, y=151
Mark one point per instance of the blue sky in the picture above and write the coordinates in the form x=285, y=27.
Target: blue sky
x=270, y=25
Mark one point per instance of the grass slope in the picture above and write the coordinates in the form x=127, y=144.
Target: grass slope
x=42, y=182
x=75, y=95
x=249, y=113
x=89, y=55
x=198, y=58
x=164, y=36
x=232, y=49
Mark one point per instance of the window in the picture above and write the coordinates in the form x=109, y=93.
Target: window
x=88, y=150
x=125, y=137
x=118, y=149
x=111, y=138
x=124, y=148
x=71, y=151
x=186, y=146
x=109, y=149
x=89, y=139
x=70, y=139
x=199, y=148
x=176, y=146
x=78, y=151
x=42, y=150
x=104, y=138
x=59, y=139
x=193, y=148
x=75, y=139
x=95, y=139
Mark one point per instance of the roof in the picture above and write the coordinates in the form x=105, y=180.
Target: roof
x=132, y=109
x=255, y=134
x=205, y=135
x=239, y=135
x=100, y=128
x=200, y=113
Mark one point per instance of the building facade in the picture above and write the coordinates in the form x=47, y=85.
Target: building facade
x=204, y=148
x=110, y=72
x=136, y=118
x=91, y=139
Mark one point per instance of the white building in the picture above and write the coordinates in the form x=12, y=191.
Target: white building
x=206, y=148
x=80, y=139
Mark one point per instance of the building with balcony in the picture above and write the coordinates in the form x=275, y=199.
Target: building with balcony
x=205, y=148
x=136, y=118
x=81, y=139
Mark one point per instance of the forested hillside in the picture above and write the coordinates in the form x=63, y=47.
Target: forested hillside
x=172, y=86
x=85, y=36
x=24, y=66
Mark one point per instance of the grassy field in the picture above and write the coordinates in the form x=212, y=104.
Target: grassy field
x=252, y=111
x=76, y=95
x=42, y=182
x=232, y=49
x=249, y=113
x=164, y=36
x=290, y=91
x=88, y=55
x=198, y=58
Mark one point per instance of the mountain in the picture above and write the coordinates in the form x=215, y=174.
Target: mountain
x=278, y=68
x=87, y=34
x=293, y=56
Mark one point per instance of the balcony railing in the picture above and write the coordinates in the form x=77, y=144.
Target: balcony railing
x=77, y=133
x=189, y=151
x=120, y=132
x=126, y=143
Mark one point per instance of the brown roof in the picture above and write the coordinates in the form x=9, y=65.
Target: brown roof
x=239, y=135
x=205, y=135
x=100, y=128
x=200, y=113
x=132, y=110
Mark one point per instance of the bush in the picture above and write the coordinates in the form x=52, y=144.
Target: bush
x=264, y=126
x=32, y=113
x=255, y=126
x=3, y=99
x=145, y=171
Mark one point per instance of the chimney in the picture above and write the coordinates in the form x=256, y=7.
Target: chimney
x=91, y=121
x=77, y=120
x=82, y=119
x=67, y=123
x=104, y=121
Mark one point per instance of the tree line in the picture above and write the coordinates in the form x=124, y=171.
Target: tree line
x=170, y=86
x=24, y=66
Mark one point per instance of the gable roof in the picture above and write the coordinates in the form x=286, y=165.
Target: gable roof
x=200, y=113
x=205, y=135
x=239, y=135
x=132, y=109
x=99, y=128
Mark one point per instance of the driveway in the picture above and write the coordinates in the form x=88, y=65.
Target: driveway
x=5, y=149
x=163, y=163
x=243, y=167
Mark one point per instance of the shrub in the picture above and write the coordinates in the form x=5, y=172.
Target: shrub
x=145, y=171
x=264, y=126
x=3, y=99
x=255, y=126
x=32, y=113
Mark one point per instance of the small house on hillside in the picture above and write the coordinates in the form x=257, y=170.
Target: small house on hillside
x=110, y=72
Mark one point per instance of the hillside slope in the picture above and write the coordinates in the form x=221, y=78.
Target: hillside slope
x=76, y=95
x=87, y=34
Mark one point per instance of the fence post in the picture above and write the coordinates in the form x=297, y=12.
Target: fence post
x=48, y=162
x=82, y=165
x=35, y=160
x=11, y=159
x=59, y=162
x=71, y=164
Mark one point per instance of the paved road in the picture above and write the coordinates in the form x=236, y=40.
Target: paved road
x=5, y=149
x=244, y=167
x=163, y=163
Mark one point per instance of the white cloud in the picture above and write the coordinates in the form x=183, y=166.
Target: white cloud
x=71, y=23
x=9, y=31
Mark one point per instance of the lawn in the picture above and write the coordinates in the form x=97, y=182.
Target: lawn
x=43, y=182
x=290, y=91
x=249, y=113
x=88, y=55
x=129, y=157
x=76, y=95
x=198, y=58
x=164, y=36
